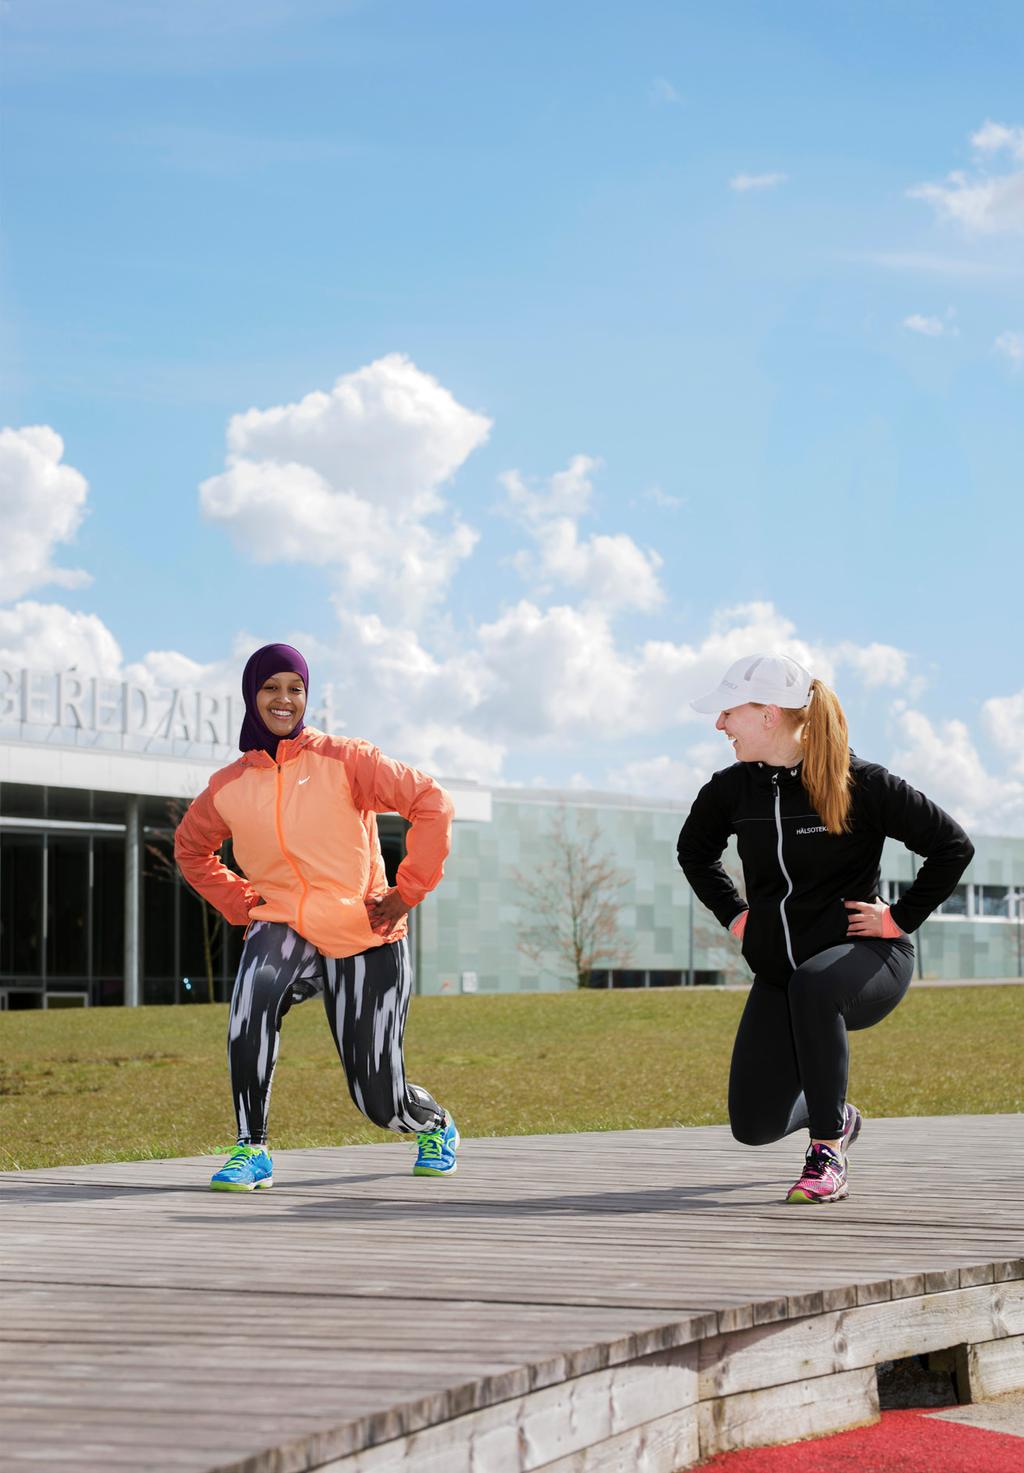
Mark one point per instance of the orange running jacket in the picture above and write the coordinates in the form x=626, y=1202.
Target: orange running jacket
x=304, y=831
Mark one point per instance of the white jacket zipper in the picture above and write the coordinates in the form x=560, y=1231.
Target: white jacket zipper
x=785, y=872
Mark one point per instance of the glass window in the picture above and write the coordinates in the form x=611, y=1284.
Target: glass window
x=667, y=979
x=956, y=905
x=162, y=814
x=196, y=916
x=159, y=885
x=69, y=803
x=21, y=904
x=67, y=899
x=391, y=832
x=108, y=807
x=108, y=908
x=628, y=977
x=993, y=900
x=22, y=800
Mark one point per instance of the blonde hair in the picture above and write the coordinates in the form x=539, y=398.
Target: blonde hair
x=826, y=760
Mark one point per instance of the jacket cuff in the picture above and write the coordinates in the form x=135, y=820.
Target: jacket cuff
x=891, y=929
x=739, y=924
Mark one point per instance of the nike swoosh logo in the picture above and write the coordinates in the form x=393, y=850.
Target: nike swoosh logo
x=303, y=780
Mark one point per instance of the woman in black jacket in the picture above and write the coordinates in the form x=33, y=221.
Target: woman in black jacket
x=810, y=819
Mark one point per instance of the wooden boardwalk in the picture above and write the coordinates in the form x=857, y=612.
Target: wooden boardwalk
x=570, y=1303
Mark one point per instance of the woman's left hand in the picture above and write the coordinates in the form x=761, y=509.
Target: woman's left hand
x=868, y=918
x=385, y=913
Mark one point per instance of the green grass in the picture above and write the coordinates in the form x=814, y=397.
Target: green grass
x=124, y=1084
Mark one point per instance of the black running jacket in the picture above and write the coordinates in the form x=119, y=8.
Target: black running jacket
x=796, y=873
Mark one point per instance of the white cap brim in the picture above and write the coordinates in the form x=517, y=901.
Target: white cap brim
x=715, y=701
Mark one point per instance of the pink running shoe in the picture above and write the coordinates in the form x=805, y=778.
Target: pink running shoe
x=824, y=1178
x=852, y=1122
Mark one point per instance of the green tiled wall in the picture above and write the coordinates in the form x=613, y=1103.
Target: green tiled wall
x=472, y=921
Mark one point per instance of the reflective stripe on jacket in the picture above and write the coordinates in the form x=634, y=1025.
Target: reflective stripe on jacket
x=304, y=833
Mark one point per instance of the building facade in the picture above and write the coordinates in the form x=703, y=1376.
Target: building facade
x=95, y=774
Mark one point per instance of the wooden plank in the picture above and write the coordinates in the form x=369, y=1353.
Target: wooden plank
x=549, y=1427
x=992, y=1368
x=979, y=1273
x=789, y=1412
x=391, y=1306
x=848, y=1339
x=667, y=1445
x=874, y=1293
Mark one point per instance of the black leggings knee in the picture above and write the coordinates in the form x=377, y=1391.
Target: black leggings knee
x=790, y=1061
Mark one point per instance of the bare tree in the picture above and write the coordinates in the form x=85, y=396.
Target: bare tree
x=571, y=899
x=717, y=950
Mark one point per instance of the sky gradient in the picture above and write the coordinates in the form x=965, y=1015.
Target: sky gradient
x=663, y=333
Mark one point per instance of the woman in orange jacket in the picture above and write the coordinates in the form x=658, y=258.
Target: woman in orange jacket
x=300, y=809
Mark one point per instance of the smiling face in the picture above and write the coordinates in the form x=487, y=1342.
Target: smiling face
x=751, y=730
x=281, y=701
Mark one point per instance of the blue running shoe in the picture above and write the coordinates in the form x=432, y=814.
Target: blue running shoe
x=247, y=1168
x=437, y=1150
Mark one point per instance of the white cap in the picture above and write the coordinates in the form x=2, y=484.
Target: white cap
x=770, y=680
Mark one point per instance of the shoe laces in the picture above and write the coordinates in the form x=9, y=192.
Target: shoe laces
x=818, y=1158
x=430, y=1143
x=242, y=1153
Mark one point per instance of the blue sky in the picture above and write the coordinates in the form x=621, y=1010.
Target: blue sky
x=802, y=398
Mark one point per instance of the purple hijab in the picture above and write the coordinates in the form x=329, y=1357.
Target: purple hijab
x=272, y=659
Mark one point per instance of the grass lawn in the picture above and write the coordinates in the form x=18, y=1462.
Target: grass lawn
x=123, y=1084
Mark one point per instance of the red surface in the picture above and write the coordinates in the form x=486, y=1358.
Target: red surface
x=902, y=1442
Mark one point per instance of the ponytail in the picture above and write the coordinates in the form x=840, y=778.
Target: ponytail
x=826, y=763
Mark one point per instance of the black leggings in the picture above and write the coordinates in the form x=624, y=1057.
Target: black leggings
x=791, y=1057
x=366, y=997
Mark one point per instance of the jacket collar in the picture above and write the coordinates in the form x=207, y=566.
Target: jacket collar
x=766, y=773
x=287, y=749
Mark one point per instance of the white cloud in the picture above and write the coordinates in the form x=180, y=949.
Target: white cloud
x=942, y=760
x=993, y=137
x=554, y=672
x=42, y=502
x=1003, y=720
x=171, y=668
x=450, y=751
x=664, y=776
x=662, y=91
x=929, y=327
x=876, y=664
x=925, y=263
x=51, y=637
x=548, y=675
x=1011, y=346
x=388, y=433
x=565, y=494
x=608, y=570
x=743, y=183
x=350, y=479
x=664, y=499
x=981, y=202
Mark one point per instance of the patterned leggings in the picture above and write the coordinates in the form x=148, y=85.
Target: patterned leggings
x=366, y=997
